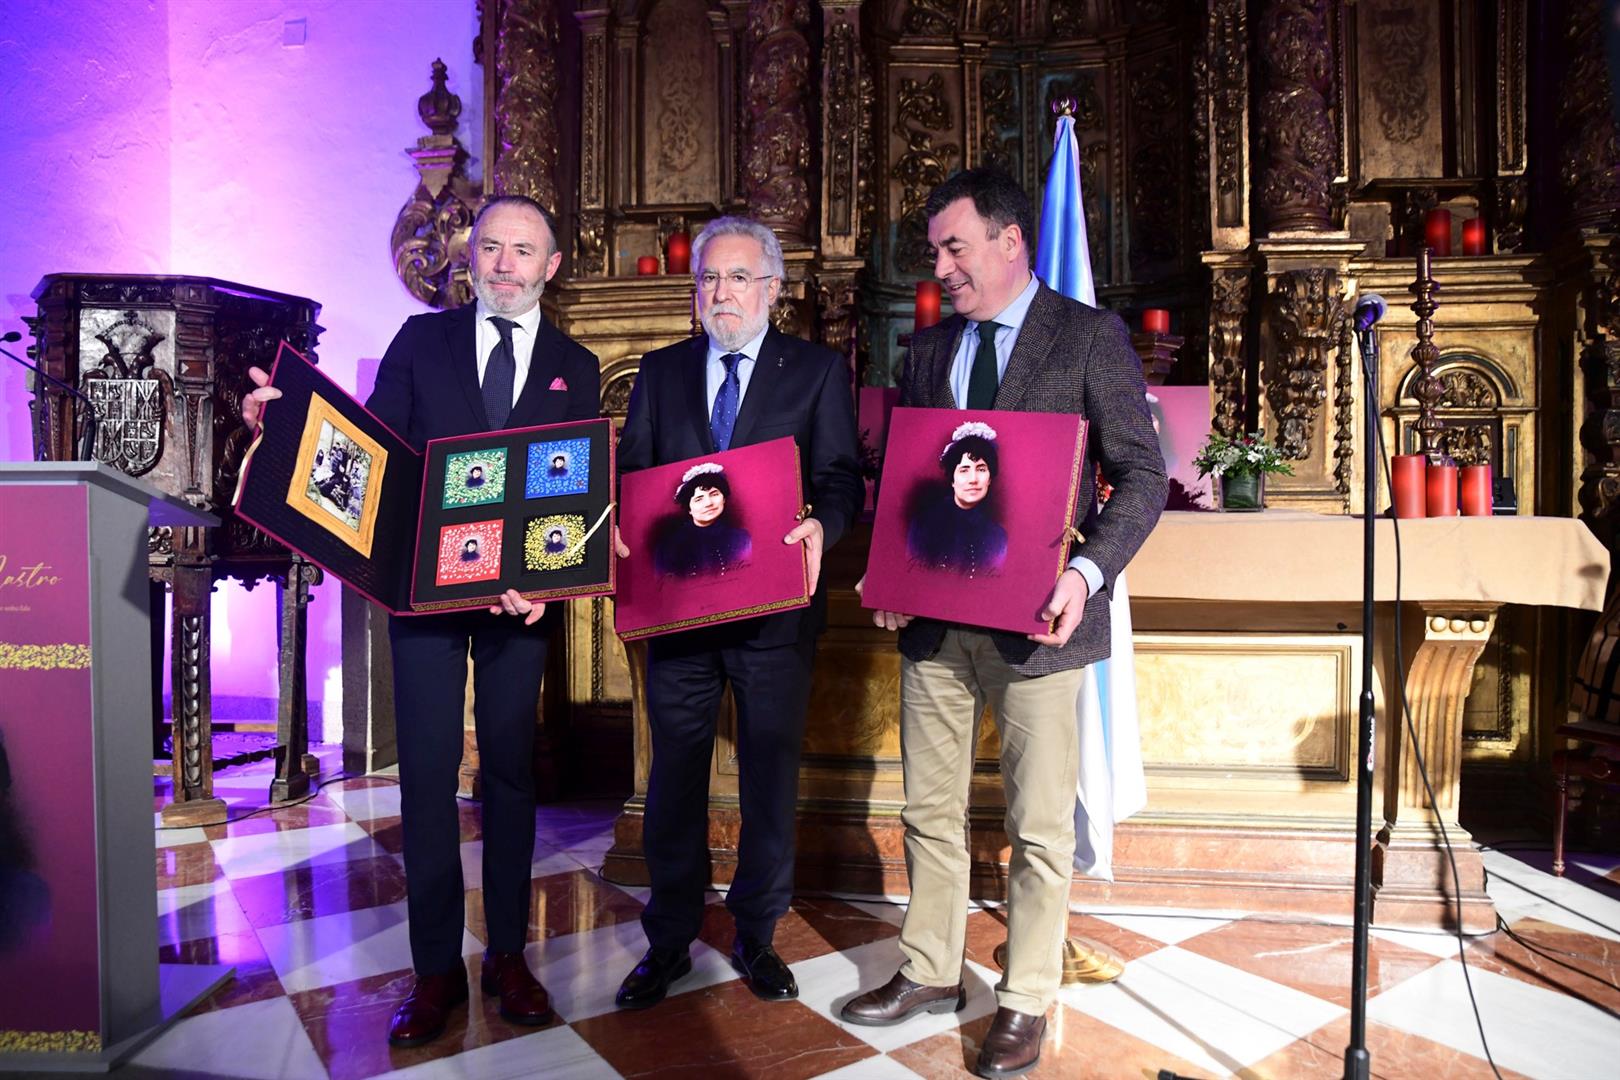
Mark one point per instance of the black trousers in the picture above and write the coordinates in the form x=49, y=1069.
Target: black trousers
x=684, y=684
x=430, y=672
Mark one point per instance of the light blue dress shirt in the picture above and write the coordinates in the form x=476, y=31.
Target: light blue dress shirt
x=715, y=372
x=1011, y=321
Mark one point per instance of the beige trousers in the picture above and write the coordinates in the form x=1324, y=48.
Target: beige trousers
x=941, y=701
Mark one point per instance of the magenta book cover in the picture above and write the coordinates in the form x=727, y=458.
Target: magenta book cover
x=48, y=876
x=705, y=539
x=973, y=515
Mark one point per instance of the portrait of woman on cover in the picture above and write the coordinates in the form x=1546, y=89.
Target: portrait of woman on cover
x=703, y=540
x=954, y=523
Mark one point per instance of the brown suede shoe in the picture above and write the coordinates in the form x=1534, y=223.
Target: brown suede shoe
x=523, y=999
x=1012, y=1046
x=899, y=999
x=421, y=1017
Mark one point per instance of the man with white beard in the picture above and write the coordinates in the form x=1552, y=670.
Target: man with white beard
x=741, y=383
x=488, y=366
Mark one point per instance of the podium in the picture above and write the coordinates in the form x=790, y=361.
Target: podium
x=80, y=983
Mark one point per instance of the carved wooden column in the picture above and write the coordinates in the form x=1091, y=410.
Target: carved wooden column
x=294, y=763
x=1226, y=68
x=1511, y=191
x=1443, y=642
x=1297, y=140
x=845, y=112
x=776, y=157
x=523, y=113
x=590, y=241
x=1589, y=139
x=193, y=763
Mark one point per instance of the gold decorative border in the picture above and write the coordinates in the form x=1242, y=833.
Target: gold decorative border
x=53, y=657
x=359, y=538
x=49, y=1042
x=711, y=620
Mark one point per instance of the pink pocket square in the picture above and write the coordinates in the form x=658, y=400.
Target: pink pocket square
x=558, y=384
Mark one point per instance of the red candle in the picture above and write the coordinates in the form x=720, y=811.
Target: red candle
x=1474, y=490
x=1155, y=320
x=1437, y=230
x=647, y=264
x=678, y=253
x=1407, y=479
x=1442, y=483
x=928, y=297
x=1473, y=236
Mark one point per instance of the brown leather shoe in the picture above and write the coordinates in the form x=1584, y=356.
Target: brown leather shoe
x=523, y=999
x=1012, y=1046
x=899, y=999
x=421, y=1017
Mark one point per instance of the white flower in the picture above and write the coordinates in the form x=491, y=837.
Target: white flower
x=698, y=470
x=973, y=427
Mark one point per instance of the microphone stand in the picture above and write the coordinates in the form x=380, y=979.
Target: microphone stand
x=1357, y=1061
x=87, y=434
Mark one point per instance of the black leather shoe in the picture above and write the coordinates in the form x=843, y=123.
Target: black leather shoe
x=650, y=981
x=1012, y=1046
x=422, y=1016
x=763, y=971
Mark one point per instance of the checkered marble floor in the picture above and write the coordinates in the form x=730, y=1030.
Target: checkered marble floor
x=308, y=903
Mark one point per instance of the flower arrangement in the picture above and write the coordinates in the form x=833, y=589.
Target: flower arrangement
x=1245, y=455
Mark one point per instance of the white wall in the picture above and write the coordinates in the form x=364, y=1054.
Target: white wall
x=184, y=136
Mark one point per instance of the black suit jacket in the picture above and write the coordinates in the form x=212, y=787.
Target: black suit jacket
x=1069, y=358
x=427, y=385
x=798, y=389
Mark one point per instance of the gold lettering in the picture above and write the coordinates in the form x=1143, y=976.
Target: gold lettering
x=28, y=577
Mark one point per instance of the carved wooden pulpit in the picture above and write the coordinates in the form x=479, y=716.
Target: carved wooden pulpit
x=164, y=360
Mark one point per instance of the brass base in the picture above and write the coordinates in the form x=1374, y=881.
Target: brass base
x=1084, y=961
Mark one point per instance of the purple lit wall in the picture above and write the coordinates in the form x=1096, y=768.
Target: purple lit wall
x=256, y=141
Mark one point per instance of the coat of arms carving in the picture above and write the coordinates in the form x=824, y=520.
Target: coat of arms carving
x=126, y=359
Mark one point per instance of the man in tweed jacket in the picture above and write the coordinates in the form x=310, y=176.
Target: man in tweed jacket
x=1012, y=344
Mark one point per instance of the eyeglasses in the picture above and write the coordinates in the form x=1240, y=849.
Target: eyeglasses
x=739, y=281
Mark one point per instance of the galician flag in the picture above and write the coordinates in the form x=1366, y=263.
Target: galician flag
x=1111, y=785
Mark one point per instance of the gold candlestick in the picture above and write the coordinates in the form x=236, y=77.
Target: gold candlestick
x=1428, y=389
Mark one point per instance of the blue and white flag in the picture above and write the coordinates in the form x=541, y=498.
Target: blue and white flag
x=1111, y=784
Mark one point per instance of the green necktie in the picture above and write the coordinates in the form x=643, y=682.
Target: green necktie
x=984, y=378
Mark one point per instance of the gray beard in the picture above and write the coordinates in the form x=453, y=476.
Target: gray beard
x=497, y=306
x=745, y=333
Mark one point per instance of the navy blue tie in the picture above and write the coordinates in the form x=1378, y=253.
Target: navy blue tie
x=500, y=372
x=724, y=417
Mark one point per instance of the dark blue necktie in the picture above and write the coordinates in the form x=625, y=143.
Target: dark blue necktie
x=500, y=372
x=724, y=417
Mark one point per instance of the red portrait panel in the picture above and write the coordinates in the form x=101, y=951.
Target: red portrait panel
x=973, y=515
x=705, y=539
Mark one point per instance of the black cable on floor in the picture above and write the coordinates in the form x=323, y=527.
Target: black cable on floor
x=285, y=805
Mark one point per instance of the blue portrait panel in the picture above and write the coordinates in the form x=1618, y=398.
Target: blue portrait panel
x=559, y=467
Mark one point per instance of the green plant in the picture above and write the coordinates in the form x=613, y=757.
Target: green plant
x=1245, y=455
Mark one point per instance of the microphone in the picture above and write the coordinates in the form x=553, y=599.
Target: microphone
x=87, y=438
x=1369, y=309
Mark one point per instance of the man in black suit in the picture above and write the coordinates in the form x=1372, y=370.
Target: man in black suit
x=1011, y=344
x=488, y=366
x=741, y=383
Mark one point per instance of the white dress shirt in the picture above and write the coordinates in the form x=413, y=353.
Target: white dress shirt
x=528, y=324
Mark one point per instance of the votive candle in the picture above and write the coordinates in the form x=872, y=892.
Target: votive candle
x=1155, y=321
x=1474, y=490
x=1473, y=236
x=1406, y=477
x=929, y=295
x=678, y=253
x=1437, y=230
x=647, y=264
x=1442, y=491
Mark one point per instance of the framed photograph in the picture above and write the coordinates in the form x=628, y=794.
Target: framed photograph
x=973, y=515
x=475, y=478
x=558, y=467
x=705, y=539
x=1181, y=418
x=338, y=477
x=447, y=528
x=470, y=552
